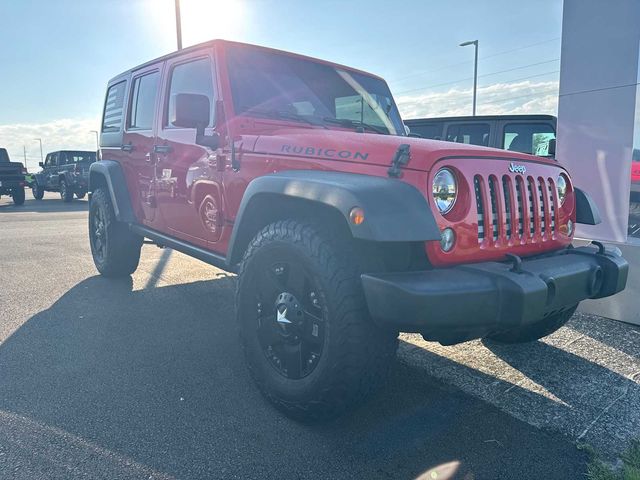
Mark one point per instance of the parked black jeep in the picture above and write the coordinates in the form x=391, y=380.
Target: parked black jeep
x=11, y=178
x=66, y=171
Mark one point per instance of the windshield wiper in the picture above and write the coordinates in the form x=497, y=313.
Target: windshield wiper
x=282, y=114
x=345, y=122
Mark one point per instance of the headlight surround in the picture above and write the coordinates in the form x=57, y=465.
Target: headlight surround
x=562, y=186
x=445, y=190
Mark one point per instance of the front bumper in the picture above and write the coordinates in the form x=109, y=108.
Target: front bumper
x=456, y=304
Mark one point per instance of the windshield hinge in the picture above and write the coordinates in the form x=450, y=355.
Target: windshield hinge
x=400, y=158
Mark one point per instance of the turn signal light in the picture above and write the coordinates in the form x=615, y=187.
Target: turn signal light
x=356, y=216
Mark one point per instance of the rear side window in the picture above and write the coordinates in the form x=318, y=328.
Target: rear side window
x=143, y=101
x=469, y=133
x=114, y=107
x=429, y=130
x=531, y=138
x=193, y=77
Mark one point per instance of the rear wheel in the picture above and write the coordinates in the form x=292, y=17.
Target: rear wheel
x=307, y=336
x=535, y=331
x=66, y=193
x=37, y=191
x=80, y=195
x=115, y=249
x=18, y=196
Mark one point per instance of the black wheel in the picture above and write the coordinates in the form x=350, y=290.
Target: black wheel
x=307, y=336
x=535, y=331
x=115, y=249
x=18, y=196
x=66, y=193
x=37, y=191
x=80, y=195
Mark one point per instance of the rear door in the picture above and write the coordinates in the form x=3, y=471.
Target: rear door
x=189, y=181
x=139, y=138
x=469, y=132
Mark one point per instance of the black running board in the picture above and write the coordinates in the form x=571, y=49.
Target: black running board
x=187, y=248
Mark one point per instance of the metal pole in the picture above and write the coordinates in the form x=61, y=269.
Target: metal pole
x=97, y=141
x=41, y=156
x=475, y=71
x=475, y=79
x=24, y=149
x=178, y=25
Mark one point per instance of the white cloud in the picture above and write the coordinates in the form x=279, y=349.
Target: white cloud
x=500, y=98
x=63, y=134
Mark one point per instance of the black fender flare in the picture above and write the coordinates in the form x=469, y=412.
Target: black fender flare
x=587, y=211
x=395, y=211
x=39, y=178
x=110, y=173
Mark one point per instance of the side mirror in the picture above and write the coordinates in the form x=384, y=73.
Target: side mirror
x=194, y=111
x=41, y=164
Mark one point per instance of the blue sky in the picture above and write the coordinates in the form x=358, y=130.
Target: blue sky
x=57, y=55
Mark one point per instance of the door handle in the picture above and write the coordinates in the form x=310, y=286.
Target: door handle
x=127, y=147
x=162, y=149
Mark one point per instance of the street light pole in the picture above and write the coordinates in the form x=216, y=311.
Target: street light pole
x=97, y=142
x=41, y=156
x=475, y=71
x=178, y=25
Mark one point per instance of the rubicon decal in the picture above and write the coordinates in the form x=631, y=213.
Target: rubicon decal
x=324, y=152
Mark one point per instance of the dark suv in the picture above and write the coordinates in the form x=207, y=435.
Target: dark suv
x=11, y=178
x=65, y=171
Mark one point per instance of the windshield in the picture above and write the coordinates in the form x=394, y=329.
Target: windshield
x=78, y=157
x=271, y=83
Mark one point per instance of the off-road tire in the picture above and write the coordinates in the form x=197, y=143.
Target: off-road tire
x=37, y=191
x=634, y=208
x=535, y=331
x=66, y=193
x=80, y=195
x=18, y=196
x=356, y=355
x=119, y=255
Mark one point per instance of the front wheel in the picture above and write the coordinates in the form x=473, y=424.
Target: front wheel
x=37, y=191
x=537, y=330
x=307, y=336
x=66, y=193
x=18, y=196
x=115, y=249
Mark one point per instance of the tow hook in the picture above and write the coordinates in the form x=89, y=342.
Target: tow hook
x=600, y=246
x=516, y=262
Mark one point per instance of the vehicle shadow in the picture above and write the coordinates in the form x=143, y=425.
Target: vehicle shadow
x=114, y=382
x=47, y=205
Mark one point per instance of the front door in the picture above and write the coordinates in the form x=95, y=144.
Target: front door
x=139, y=138
x=188, y=186
x=50, y=171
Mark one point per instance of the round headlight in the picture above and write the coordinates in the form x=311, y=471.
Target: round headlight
x=561, y=186
x=444, y=190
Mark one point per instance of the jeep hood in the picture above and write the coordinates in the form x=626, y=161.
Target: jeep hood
x=371, y=148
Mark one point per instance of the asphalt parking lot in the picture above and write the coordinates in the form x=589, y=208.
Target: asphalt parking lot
x=143, y=378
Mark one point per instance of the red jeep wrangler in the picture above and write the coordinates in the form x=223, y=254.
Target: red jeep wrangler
x=296, y=173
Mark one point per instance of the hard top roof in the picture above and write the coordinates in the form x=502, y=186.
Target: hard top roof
x=212, y=43
x=480, y=118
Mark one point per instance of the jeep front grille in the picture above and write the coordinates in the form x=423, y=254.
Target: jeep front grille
x=515, y=207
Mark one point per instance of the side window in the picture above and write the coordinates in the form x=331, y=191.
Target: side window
x=428, y=130
x=531, y=138
x=469, y=133
x=113, y=108
x=192, y=77
x=53, y=161
x=143, y=102
x=62, y=158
